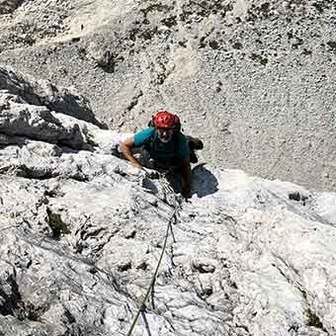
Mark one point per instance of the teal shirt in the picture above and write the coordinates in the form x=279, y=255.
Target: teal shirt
x=176, y=149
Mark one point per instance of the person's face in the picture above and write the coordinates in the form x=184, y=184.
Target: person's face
x=165, y=134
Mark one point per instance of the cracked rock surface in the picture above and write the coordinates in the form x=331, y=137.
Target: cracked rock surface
x=255, y=78
x=81, y=235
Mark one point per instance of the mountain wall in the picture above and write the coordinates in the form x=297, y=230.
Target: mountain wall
x=255, y=79
x=82, y=233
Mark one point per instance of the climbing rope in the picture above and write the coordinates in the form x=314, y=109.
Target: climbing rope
x=173, y=219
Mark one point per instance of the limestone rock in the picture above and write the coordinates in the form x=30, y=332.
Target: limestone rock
x=255, y=78
x=8, y=6
x=43, y=93
x=81, y=237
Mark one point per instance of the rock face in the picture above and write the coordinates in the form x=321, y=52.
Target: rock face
x=81, y=235
x=255, y=78
x=8, y=6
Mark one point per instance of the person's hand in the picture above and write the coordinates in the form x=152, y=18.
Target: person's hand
x=134, y=170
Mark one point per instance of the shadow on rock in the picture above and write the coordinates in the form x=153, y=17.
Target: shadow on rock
x=70, y=104
x=6, y=140
x=149, y=185
x=204, y=182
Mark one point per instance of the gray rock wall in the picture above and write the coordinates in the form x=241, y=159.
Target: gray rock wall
x=82, y=232
x=255, y=79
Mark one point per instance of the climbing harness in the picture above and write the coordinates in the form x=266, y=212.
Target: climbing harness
x=173, y=220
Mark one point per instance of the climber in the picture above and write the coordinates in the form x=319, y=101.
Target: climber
x=162, y=146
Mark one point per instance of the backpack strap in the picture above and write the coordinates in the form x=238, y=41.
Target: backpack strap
x=150, y=143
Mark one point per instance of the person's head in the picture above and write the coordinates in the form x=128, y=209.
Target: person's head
x=166, y=124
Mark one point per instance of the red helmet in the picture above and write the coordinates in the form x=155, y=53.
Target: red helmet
x=165, y=119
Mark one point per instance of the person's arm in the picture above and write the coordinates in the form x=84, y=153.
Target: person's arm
x=126, y=149
x=185, y=178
